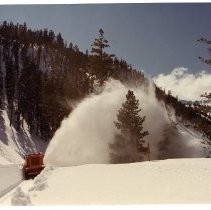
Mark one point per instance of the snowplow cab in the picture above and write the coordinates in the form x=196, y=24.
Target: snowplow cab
x=33, y=165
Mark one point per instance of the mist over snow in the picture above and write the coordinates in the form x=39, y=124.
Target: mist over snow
x=185, y=85
x=85, y=135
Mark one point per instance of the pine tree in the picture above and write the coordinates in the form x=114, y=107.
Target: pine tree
x=100, y=61
x=129, y=143
x=60, y=41
x=10, y=82
x=29, y=88
x=1, y=86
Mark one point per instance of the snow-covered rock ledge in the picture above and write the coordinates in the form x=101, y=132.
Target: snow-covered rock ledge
x=156, y=182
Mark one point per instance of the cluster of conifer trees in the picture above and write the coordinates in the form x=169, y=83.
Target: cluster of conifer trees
x=40, y=74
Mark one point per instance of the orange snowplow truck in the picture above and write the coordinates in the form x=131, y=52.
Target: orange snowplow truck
x=33, y=165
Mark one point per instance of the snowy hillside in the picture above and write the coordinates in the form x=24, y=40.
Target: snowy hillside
x=14, y=145
x=167, y=181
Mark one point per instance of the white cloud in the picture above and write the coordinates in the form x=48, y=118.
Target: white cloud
x=185, y=85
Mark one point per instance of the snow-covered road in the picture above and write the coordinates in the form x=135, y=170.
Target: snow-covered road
x=10, y=177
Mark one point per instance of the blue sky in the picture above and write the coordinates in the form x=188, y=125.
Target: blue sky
x=154, y=37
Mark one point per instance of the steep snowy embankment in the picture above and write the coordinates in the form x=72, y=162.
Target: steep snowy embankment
x=167, y=181
x=15, y=144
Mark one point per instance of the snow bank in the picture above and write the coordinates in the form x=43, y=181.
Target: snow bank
x=157, y=182
x=3, y=161
x=10, y=176
x=20, y=198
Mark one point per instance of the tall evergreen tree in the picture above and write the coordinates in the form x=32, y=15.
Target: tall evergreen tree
x=101, y=62
x=29, y=90
x=10, y=83
x=60, y=41
x=129, y=143
x=1, y=85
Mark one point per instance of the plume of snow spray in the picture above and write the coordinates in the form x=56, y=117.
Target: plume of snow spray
x=84, y=137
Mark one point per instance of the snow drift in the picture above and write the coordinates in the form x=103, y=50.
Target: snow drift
x=84, y=137
x=156, y=182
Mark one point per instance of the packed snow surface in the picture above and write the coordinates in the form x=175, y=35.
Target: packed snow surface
x=155, y=182
x=10, y=176
x=4, y=161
